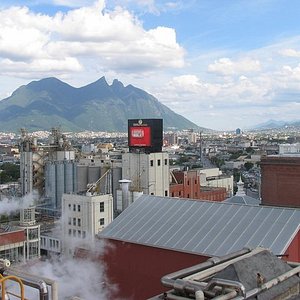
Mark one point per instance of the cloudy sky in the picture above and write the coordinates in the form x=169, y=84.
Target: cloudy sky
x=222, y=64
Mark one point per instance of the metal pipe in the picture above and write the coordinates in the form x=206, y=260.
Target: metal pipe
x=227, y=296
x=220, y=266
x=31, y=281
x=169, y=280
x=227, y=283
x=268, y=285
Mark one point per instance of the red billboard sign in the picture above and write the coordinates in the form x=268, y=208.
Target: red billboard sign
x=140, y=136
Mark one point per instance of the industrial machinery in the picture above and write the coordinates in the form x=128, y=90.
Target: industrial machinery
x=24, y=280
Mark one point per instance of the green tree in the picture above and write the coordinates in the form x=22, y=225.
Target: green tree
x=9, y=172
x=248, y=165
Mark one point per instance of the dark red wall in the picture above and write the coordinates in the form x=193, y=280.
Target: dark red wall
x=293, y=251
x=280, y=177
x=137, y=269
x=7, y=238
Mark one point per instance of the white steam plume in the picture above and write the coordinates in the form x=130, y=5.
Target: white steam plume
x=9, y=206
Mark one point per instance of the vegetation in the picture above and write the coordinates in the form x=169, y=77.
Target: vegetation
x=9, y=172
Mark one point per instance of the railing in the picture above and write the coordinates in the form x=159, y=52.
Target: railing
x=13, y=278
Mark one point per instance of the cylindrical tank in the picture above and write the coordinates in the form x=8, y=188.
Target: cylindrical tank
x=93, y=174
x=60, y=182
x=69, y=172
x=50, y=183
x=82, y=178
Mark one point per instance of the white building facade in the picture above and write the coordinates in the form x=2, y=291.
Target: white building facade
x=84, y=216
x=149, y=173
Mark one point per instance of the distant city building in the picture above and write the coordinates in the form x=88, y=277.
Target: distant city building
x=238, y=131
x=289, y=148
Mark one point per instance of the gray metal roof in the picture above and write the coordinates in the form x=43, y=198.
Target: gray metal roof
x=204, y=227
x=243, y=200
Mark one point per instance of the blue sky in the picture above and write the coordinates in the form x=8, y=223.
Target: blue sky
x=222, y=64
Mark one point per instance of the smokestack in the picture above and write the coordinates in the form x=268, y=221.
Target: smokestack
x=125, y=192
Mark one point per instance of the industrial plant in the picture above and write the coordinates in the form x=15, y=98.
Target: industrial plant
x=148, y=228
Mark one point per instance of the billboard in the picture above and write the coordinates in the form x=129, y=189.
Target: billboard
x=145, y=135
x=140, y=136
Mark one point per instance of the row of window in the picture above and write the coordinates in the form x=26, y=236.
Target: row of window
x=52, y=243
x=74, y=222
x=79, y=233
x=158, y=162
x=79, y=207
x=74, y=207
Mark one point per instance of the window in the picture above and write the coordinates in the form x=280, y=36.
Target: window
x=188, y=195
x=195, y=181
x=101, y=221
x=78, y=233
x=74, y=207
x=70, y=231
x=152, y=193
x=78, y=207
x=179, y=193
x=79, y=222
x=69, y=222
x=166, y=193
x=158, y=162
x=74, y=232
x=83, y=234
x=188, y=182
x=69, y=206
x=151, y=163
x=101, y=206
x=166, y=161
x=74, y=221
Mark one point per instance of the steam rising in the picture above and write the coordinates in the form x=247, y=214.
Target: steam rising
x=81, y=278
x=9, y=206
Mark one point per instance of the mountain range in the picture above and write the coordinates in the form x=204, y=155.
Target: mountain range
x=98, y=106
x=274, y=124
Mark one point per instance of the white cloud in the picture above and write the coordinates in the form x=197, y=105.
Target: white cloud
x=289, y=52
x=110, y=40
x=226, y=66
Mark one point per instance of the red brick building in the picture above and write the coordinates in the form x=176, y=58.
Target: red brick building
x=280, y=180
x=186, y=184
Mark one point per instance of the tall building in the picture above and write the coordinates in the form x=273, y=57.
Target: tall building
x=26, y=162
x=148, y=173
x=146, y=165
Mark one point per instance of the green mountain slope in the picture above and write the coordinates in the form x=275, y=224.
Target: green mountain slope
x=98, y=106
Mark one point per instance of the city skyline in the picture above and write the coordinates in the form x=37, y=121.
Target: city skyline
x=221, y=64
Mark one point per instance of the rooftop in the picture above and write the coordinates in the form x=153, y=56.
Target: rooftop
x=204, y=227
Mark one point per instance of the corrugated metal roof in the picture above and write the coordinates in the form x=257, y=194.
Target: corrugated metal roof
x=204, y=227
x=243, y=200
